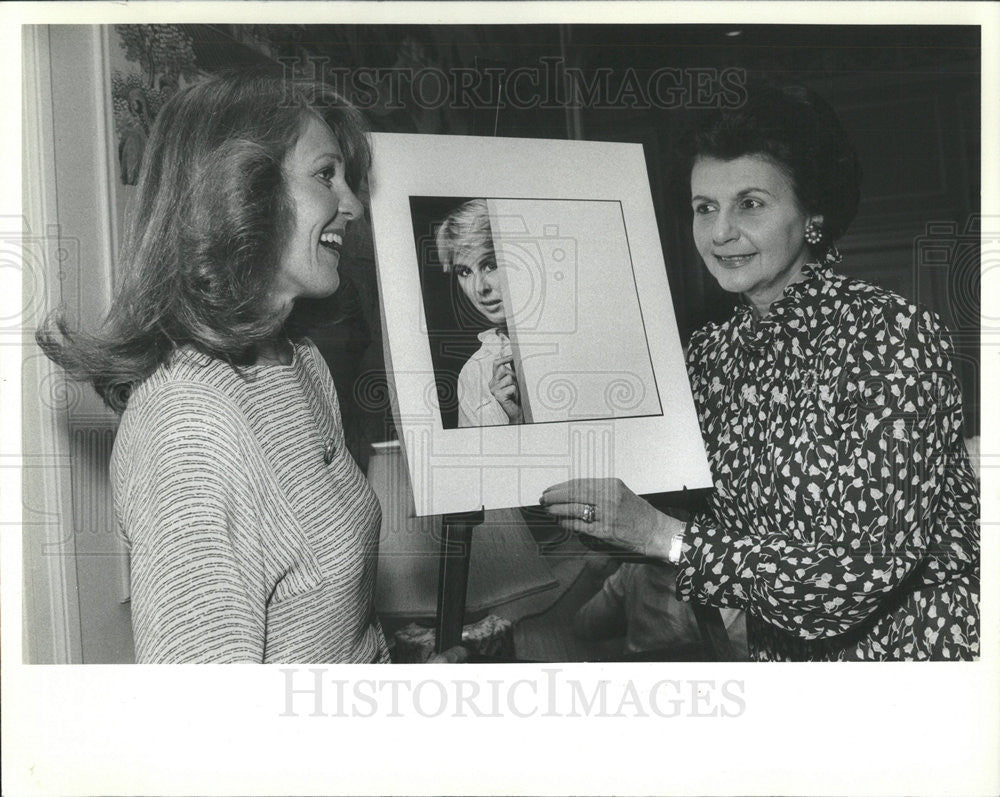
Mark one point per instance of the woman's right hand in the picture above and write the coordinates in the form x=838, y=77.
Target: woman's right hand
x=504, y=388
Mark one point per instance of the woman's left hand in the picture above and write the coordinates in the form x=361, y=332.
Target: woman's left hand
x=618, y=516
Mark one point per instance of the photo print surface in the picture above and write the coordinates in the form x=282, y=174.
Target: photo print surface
x=577, y=366
x=532, y=311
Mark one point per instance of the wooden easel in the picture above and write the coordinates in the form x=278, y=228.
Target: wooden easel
x=453, y=580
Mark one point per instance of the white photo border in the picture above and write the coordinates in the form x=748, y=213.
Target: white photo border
x=892, y=728
x=459, y=470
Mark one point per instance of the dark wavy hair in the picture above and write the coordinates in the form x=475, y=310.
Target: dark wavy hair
x=798, y=131
x=210, y=221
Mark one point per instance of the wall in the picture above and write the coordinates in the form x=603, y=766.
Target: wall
x=75, y=565
x=909, y=97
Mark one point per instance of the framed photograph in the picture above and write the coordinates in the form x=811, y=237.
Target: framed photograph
x=528, y=325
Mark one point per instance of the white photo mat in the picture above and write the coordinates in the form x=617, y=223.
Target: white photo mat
x=655, y=448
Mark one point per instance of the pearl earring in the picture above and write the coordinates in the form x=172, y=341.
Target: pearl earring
x=814, y=233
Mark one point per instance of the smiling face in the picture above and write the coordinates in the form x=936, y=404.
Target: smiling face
x=749, y=226
x=323, y=205
x=478, y=277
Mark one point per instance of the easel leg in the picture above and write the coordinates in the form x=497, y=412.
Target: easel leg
x=453, y=577
x=713, y=632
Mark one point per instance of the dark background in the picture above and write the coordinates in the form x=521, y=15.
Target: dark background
x=908, y=95
x=452, y=324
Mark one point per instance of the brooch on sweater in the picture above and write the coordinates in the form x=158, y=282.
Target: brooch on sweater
x=329, y=450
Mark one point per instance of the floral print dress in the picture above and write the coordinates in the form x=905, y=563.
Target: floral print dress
x=845, y=516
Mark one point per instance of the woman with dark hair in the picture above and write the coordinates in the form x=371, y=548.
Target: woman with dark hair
x=253, y=534
x=488, y=393
x=844, y=519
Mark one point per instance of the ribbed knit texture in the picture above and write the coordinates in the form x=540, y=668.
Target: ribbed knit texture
x=246, y=545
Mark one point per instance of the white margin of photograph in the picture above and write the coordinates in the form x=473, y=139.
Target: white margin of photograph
x=895, y=728
x=458, y=470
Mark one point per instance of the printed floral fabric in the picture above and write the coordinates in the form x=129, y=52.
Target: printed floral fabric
x=845, y=515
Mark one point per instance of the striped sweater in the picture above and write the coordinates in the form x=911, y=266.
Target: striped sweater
x=246, y=545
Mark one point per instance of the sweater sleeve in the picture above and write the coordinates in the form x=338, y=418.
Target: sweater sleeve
x=197, y=590
x=868, y=489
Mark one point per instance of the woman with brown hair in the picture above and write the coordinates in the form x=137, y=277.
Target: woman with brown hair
x=253, y=534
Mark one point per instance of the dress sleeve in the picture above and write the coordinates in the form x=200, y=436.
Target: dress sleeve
x=187, y=514
x=868, y=487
